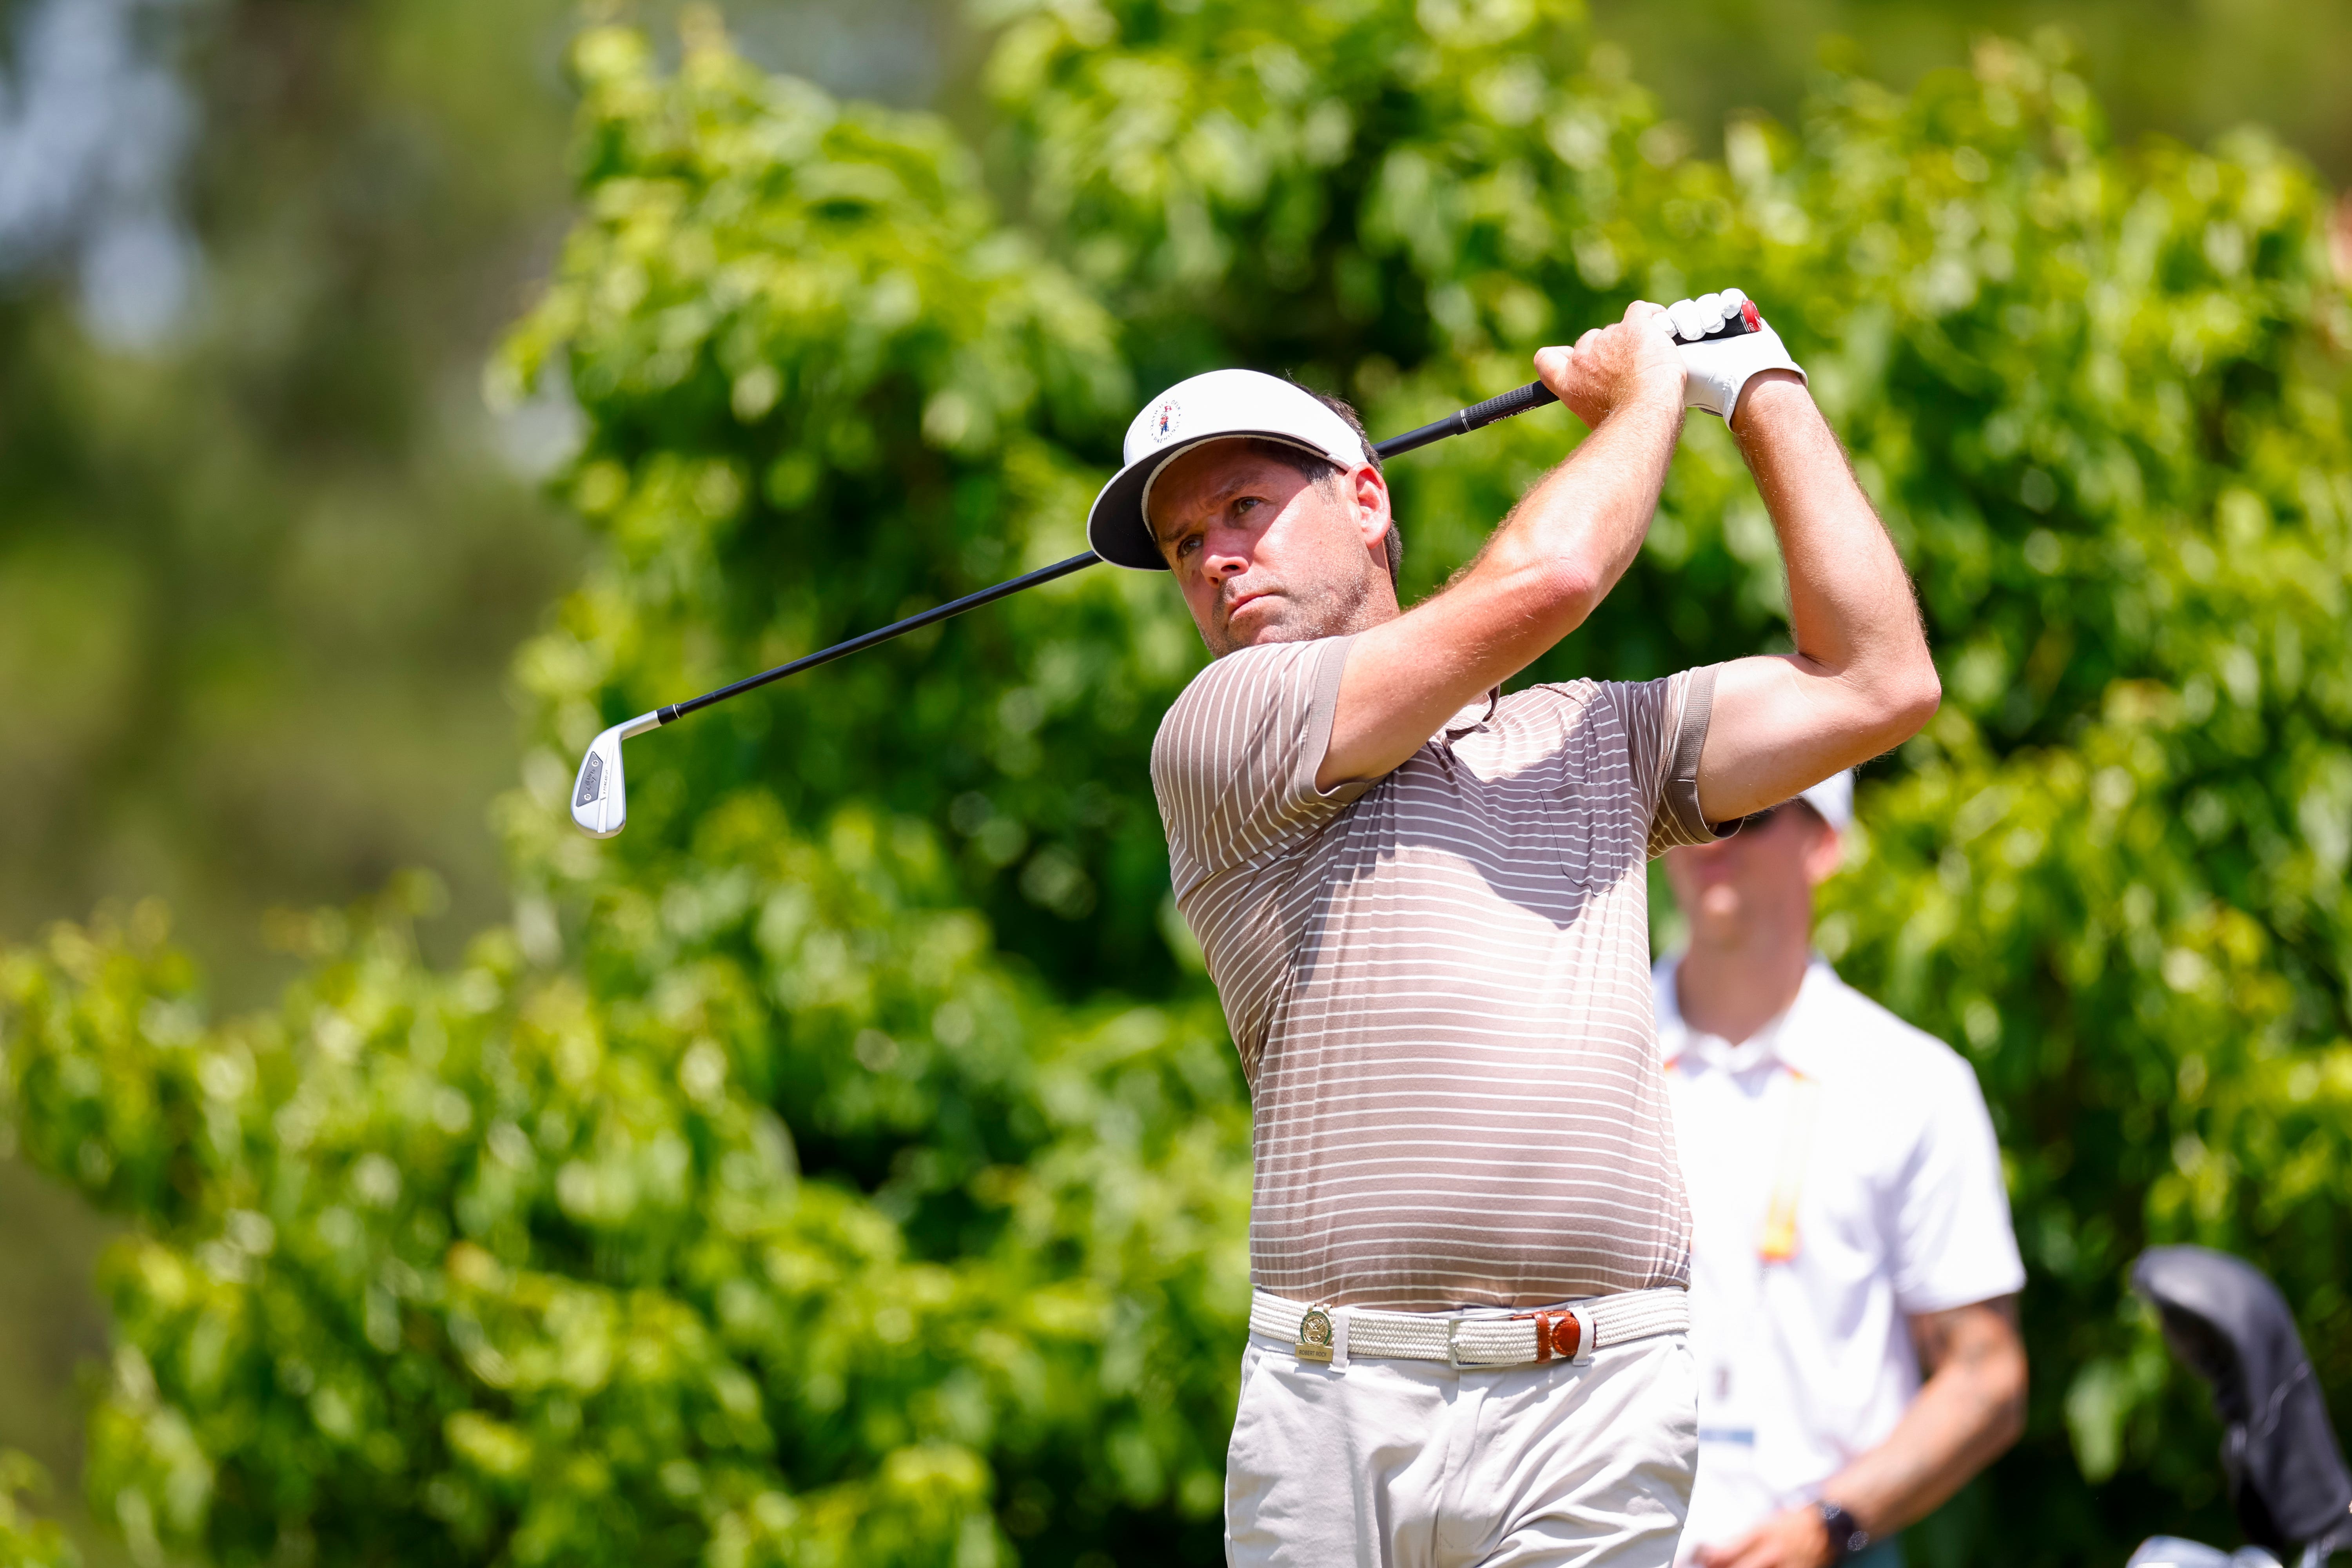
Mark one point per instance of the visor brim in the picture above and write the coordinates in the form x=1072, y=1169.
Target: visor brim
x=1115, y=528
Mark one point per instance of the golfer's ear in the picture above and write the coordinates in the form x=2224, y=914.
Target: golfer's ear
x=1370, y=494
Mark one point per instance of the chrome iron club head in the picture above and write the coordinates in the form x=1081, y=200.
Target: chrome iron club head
x=600, y=796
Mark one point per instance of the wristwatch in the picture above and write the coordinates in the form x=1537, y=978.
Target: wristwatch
x=1847, y=1537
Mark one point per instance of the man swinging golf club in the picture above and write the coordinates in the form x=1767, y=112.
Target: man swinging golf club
x=1424, y=905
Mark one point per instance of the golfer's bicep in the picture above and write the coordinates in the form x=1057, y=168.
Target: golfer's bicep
x=1407, y=677
x=1403, y=680
x=1780, y=725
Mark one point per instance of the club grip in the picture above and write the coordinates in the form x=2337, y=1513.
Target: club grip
x=1462, y=421
x=1519, y=400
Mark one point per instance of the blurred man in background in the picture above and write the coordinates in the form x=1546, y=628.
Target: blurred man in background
x=1850, y=1228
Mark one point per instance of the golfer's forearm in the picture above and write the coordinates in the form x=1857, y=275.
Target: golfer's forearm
x=1849, y=598
x=1967, y=1415
x=1577, y=531
x=1557, y=555
x=1861, y=681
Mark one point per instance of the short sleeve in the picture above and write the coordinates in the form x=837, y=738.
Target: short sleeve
x=1234, y=763
x=1952, y=1241
x=1666, y=730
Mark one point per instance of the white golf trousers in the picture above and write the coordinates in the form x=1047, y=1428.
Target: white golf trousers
x=1413, y=1463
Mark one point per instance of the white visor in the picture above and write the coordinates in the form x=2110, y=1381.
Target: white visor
x=1833, y=798
x=1222, y=404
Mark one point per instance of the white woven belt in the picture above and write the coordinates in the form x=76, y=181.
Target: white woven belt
x=1570, y=1332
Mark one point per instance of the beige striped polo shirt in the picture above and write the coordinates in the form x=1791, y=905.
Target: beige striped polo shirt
x=1439, y=981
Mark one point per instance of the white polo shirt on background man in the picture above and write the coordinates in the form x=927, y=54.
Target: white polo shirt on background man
x=1843, y=1179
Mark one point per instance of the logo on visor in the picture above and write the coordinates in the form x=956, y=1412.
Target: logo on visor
x=1165, y=419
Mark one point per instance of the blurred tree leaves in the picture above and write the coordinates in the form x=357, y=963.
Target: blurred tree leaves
x=844, y=1164
x=26, y=1541
x=462, y=1263
x=257, y=582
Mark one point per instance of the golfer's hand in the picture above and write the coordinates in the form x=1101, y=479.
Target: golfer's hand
x=1792, y=1538
x=1719, y=368
x=1612, y=367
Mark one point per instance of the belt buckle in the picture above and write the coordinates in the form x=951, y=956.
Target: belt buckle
x=1315, y=1336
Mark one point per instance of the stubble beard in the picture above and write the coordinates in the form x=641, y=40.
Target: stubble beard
x=1329, y=609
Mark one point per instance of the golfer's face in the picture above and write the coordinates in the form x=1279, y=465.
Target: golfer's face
x=1262, y=552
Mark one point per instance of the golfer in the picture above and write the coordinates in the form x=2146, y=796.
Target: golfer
x=1424, y=905
x=1850, y=1230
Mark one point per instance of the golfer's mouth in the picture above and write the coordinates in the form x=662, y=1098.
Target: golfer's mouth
x=1237, y=606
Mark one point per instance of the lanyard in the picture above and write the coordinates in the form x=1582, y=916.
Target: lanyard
x=1777, y=1242
x=1730, y=1412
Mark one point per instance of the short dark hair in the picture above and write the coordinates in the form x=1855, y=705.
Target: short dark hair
x=1323, y=471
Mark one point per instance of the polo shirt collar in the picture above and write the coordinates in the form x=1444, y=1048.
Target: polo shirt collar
x=1475, y=712
x=1787, y=1040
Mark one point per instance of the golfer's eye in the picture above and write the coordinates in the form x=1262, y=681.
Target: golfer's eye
x=1187, y=545
x=1247, y=504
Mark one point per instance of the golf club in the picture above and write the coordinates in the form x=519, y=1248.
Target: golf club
x=600, y=802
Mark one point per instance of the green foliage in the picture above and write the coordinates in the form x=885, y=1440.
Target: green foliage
x=846, y=1164
x=257, y=586
x=464, y=1263
x=823, y=383
x=26, y=1542
x=2103, y=402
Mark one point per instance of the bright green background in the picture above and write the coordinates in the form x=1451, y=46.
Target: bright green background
x=508, y=1253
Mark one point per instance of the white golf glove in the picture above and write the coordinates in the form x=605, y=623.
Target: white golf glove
x=1715, y=368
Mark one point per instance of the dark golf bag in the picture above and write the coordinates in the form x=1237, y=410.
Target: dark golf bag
x=2286, y=1472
